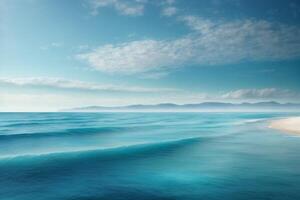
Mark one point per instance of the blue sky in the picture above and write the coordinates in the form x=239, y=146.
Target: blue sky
x=57, y=54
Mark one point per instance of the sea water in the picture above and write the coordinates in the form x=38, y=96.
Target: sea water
x=89, y=156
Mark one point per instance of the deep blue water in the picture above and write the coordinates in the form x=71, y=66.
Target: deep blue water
x=89, y=156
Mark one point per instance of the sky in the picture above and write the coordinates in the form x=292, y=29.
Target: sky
x=57, y=54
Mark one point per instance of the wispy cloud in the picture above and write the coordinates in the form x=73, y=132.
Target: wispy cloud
x=132, y=7
x=52, y=45
x=209, y=43
x=80, y=85
x=137, y=56
x=56, y=44
x=124, y=7
x=169, y=11
x=264, y=93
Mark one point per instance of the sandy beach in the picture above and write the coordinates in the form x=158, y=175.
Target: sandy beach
x=291, y=125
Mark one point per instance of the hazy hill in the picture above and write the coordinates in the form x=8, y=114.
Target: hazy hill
x=206, y=106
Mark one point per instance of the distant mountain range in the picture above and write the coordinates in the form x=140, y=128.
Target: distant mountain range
x=206, y=106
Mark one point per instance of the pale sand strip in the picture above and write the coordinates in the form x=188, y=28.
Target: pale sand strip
x=291, y=125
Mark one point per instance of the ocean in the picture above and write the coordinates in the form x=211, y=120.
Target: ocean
x=93, y=156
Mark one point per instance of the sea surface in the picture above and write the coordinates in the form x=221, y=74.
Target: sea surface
x=95, y=156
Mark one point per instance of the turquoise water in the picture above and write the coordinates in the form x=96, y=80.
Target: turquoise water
x=89, y=156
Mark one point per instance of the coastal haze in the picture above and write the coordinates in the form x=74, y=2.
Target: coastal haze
x=201, y=107
x=149, y=99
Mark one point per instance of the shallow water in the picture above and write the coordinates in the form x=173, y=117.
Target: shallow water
x=90, y=156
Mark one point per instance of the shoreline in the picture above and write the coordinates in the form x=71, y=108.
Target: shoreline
x=289, y=125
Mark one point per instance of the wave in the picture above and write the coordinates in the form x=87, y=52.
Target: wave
x=244, y=122
x=40, y=123
x=27, y=122
x=67, y=132
x=110, y=151
x=85, y=131
x=21, y=124
x=248, y=121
